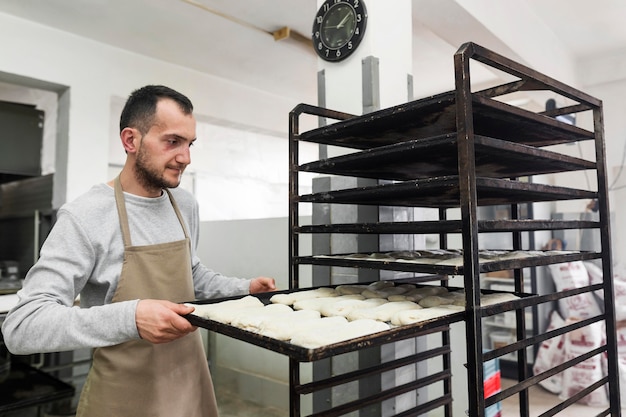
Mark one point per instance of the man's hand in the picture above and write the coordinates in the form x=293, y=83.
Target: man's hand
x=262, y=284
x=160, y=321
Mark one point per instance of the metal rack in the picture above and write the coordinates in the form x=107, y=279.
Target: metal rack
x=462, y=150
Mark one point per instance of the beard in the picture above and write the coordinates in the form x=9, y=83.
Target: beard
x=149, y=176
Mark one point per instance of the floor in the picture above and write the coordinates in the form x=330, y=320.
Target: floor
x=542, y=400
x=231, y=405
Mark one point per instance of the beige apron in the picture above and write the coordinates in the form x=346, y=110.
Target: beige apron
x=138, y=378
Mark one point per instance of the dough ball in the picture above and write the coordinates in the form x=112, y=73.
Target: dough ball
x=345, y=307
x=382, y=312
x=286, y=299
x=407, y=287
x=496, y=298
x=284, y=328
x=380, y=284
x=207, y=310
x=414, y=295
x=315, y=333
x=392, y=291
x=434, y=301
x=291, y=298
x=406, y=317
x=336, y=333
x=431, y=290
x=350, y=289
x=318, y=303
x=252, y=318
x=369, y=293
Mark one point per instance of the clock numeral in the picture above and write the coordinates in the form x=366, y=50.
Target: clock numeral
x=320, y=46
x=350, y=45
x=338, y=53
x=356, y=31
x=317, y=34
x=356, y=4
x=358, y=17
x=327, y=51
x=326, y=7
x=319, y=20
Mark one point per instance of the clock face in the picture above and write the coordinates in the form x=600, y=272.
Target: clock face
x=338, y=28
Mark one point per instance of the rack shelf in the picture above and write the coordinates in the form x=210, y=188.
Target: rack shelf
x=445, y=192
x=445, y=226
x=424, y=158
x=436, y=116
x=451, y=266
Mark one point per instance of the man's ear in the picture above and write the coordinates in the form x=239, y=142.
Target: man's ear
x=130, y=139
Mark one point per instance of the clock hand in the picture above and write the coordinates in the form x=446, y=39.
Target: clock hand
x=340, y=25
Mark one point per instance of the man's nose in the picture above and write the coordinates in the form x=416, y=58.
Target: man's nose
x=184, y=156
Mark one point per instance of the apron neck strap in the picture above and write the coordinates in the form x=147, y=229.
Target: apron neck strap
x=177, y=211
x=121, y=211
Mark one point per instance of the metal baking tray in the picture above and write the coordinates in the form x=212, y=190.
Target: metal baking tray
x=302, y=354
x=436, y=115
x=438, y=156
x=444, y=191
x=345, y=260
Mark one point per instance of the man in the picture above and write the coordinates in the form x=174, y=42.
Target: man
x=128, y=248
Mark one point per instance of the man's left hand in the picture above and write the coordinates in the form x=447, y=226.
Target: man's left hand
x=262, y=284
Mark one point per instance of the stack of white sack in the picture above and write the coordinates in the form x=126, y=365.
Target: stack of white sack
x=555, y=351
x=619, y=289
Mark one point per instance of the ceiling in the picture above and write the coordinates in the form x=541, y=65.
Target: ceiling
x=232, y=39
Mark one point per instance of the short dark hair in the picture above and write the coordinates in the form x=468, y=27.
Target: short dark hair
x=140, y=108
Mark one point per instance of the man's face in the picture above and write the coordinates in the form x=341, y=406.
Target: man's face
x=163, y=153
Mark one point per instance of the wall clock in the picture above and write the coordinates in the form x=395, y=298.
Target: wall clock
x=338, y=28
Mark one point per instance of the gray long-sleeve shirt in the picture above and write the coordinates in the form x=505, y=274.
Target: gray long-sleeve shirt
x=83, y=255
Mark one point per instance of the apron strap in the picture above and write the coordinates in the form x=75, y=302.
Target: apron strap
x=121, y=211
x=180, y=216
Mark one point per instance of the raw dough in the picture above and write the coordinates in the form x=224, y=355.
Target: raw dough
x=206, y=310
x=430, y=290
x=315, y=329
x=318, y=303
x=383, y=312
x=291, y=298
x=338, y=333
x=284, y=328
x=496, y=298
x=350, y=289
x=435, y=301
x=345, y=307
x=405, y=317
x=251, y=318
x=380, y=285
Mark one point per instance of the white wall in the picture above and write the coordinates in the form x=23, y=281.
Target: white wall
x=97, y=74
x=612, y=95
x=602, y=77
x=235, y=173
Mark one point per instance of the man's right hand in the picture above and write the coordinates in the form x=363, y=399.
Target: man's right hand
x=160, y=321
